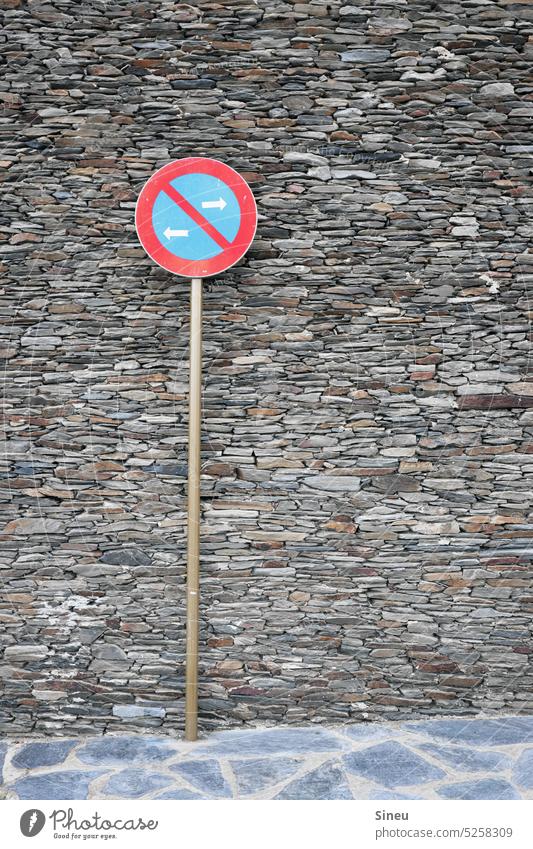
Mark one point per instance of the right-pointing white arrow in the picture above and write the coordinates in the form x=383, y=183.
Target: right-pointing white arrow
x=214, y=204
x=169, y=234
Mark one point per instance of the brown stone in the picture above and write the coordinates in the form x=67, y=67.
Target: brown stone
x=440, y=696
x=461, y=681
x=299, y=597
x=218, y=470
x=494, y=402
x=342, y=527
x=262, y=411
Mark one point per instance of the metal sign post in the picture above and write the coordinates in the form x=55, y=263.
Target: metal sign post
x=193, y=507
x=195, y=217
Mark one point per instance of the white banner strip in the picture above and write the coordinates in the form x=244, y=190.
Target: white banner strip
x=244, y=824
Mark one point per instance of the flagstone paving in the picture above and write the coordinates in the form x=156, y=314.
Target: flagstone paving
x=483, y=758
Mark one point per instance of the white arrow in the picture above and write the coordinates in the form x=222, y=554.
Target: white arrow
x=170, y=233
x=214, y=204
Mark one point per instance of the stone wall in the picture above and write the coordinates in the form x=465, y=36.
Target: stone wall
x=368, y=396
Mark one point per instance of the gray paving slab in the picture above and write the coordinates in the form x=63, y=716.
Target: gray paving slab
x=448, y=758
x=480, y=732
x=488, y=788
x=117, y=749
x=134, y=783
x=391, y=764
x=34, y=755
x=205, y=776
x=467, y=759
x=259, y=773
x=325, y=782
x=69, y=784
x=523, y=770
x=274, y=741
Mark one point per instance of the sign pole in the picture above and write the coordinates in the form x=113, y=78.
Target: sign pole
x=193, y=518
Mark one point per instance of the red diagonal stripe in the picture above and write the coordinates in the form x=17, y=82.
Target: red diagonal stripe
x=197, y=217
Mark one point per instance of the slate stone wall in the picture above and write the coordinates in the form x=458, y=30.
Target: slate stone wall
x=368, y=393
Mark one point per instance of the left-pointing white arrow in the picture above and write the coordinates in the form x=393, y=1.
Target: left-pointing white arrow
x=169, y=234
x=214, y=204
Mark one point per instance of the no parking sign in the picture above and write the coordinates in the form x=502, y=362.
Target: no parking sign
x=196, y=217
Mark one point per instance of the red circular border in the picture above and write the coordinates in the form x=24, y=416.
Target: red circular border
x=187, y=267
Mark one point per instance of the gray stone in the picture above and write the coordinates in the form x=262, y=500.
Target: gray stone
x=523, y=769
x=70, y=784
x=522, y=388
x=117, y=750
x=479, y=732
x=29, y=527
x=387, y=25
x=132, y=711
x=256, y=774
x=306, y=158
x=326, y=782
x=392, y=764
x=438, y=528
x=134, y=783
x=42, y=754
x=126, y=557
x=488, y=788
x=497, y=90
x=333, y=483
x=204, y=775
x=109, y=652
x=276, y=741
x=362, y=733
x=467, y=760
x=26, y=652
x=365, y=55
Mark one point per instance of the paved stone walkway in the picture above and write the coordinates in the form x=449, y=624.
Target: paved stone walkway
x=434, y=759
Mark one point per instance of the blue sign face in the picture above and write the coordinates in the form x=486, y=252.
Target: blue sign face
x=197, y=218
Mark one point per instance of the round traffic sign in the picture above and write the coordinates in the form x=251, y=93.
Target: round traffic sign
x=196, y=217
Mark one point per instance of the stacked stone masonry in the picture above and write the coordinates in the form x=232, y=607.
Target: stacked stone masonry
x=367, y=448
